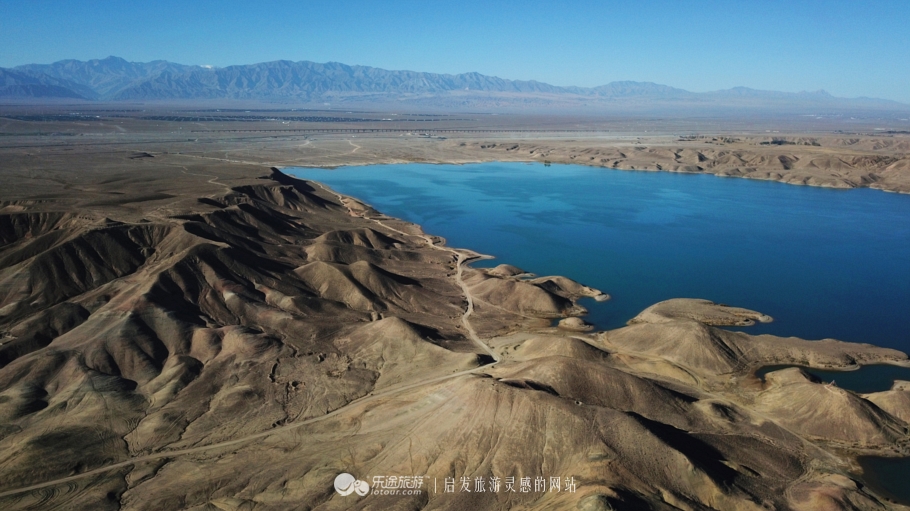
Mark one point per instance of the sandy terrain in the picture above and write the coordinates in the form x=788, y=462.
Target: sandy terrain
x=185, y=327
x=805, y=151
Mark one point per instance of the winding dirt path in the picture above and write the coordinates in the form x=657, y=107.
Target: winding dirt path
x=461, y=259
x=210, y=181
x=229, y=160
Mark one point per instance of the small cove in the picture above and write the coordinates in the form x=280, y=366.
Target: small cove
x=864, y=380
x=888, y=476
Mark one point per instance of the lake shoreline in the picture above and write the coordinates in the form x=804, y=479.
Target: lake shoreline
x=692, y=194
x=721, y=172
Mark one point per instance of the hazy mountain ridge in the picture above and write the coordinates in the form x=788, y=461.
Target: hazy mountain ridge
x=115, y=79
x=309, y=80
x=102, y=78
x=19, y=84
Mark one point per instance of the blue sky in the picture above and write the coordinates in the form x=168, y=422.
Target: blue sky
x=849, y=48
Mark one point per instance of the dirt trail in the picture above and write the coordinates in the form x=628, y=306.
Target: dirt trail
x=228, y=160
x=210, y=181
x=461, y=259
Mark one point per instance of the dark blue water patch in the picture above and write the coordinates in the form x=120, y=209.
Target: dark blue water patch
x=887, y=476
x=824, y=263
x=866, y=379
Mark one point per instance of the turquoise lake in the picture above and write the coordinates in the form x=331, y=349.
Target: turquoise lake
x=823, y=263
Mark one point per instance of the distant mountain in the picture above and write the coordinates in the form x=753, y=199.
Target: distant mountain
x=17, y=84
x=103, y=78
x=115, y=79
x=309, y=80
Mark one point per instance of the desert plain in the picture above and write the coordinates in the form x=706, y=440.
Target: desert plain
x=185, y=326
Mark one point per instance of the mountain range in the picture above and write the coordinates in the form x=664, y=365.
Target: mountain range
x=115, y=79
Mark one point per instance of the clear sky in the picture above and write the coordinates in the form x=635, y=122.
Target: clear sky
x=847, y=47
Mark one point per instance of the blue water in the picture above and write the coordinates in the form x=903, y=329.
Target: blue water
x=823, y=263
x=866, y=379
